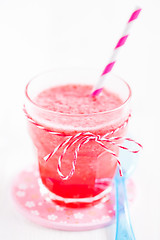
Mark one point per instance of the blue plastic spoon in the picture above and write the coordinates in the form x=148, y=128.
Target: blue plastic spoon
x=124, y=230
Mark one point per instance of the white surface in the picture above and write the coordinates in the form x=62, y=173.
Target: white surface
x=37, y=35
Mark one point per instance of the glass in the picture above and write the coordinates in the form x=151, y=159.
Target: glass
x=94, y=165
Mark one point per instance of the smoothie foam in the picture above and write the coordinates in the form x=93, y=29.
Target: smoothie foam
x=76, y=99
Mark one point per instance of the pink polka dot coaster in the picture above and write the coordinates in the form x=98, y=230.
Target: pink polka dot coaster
x=27, y=196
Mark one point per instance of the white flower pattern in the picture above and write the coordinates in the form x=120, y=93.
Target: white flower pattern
x=35, y=212
x=30, y=204
x=20, y=193
x=110, y=211
x=58, y=208
x=22, y=186
x=63, y=222
x=78, y=215
x=52, y=217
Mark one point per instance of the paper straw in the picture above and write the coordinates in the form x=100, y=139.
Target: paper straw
x=100, y=84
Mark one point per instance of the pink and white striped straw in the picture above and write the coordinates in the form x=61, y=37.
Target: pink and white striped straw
x=100, y=84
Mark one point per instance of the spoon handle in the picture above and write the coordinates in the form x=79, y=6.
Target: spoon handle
x=124, y=229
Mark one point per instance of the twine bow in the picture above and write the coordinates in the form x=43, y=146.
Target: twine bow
x=81, y=139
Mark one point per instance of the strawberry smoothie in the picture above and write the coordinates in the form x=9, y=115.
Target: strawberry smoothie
x=69, y=109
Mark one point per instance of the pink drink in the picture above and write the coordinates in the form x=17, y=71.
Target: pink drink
x=75, y=111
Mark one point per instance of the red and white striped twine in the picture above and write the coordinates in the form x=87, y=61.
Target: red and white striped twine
x=83, y=138
x=100, y=84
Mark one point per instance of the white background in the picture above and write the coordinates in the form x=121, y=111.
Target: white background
x=36, y=35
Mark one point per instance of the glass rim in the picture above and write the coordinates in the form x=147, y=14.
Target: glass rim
x=76, y=114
